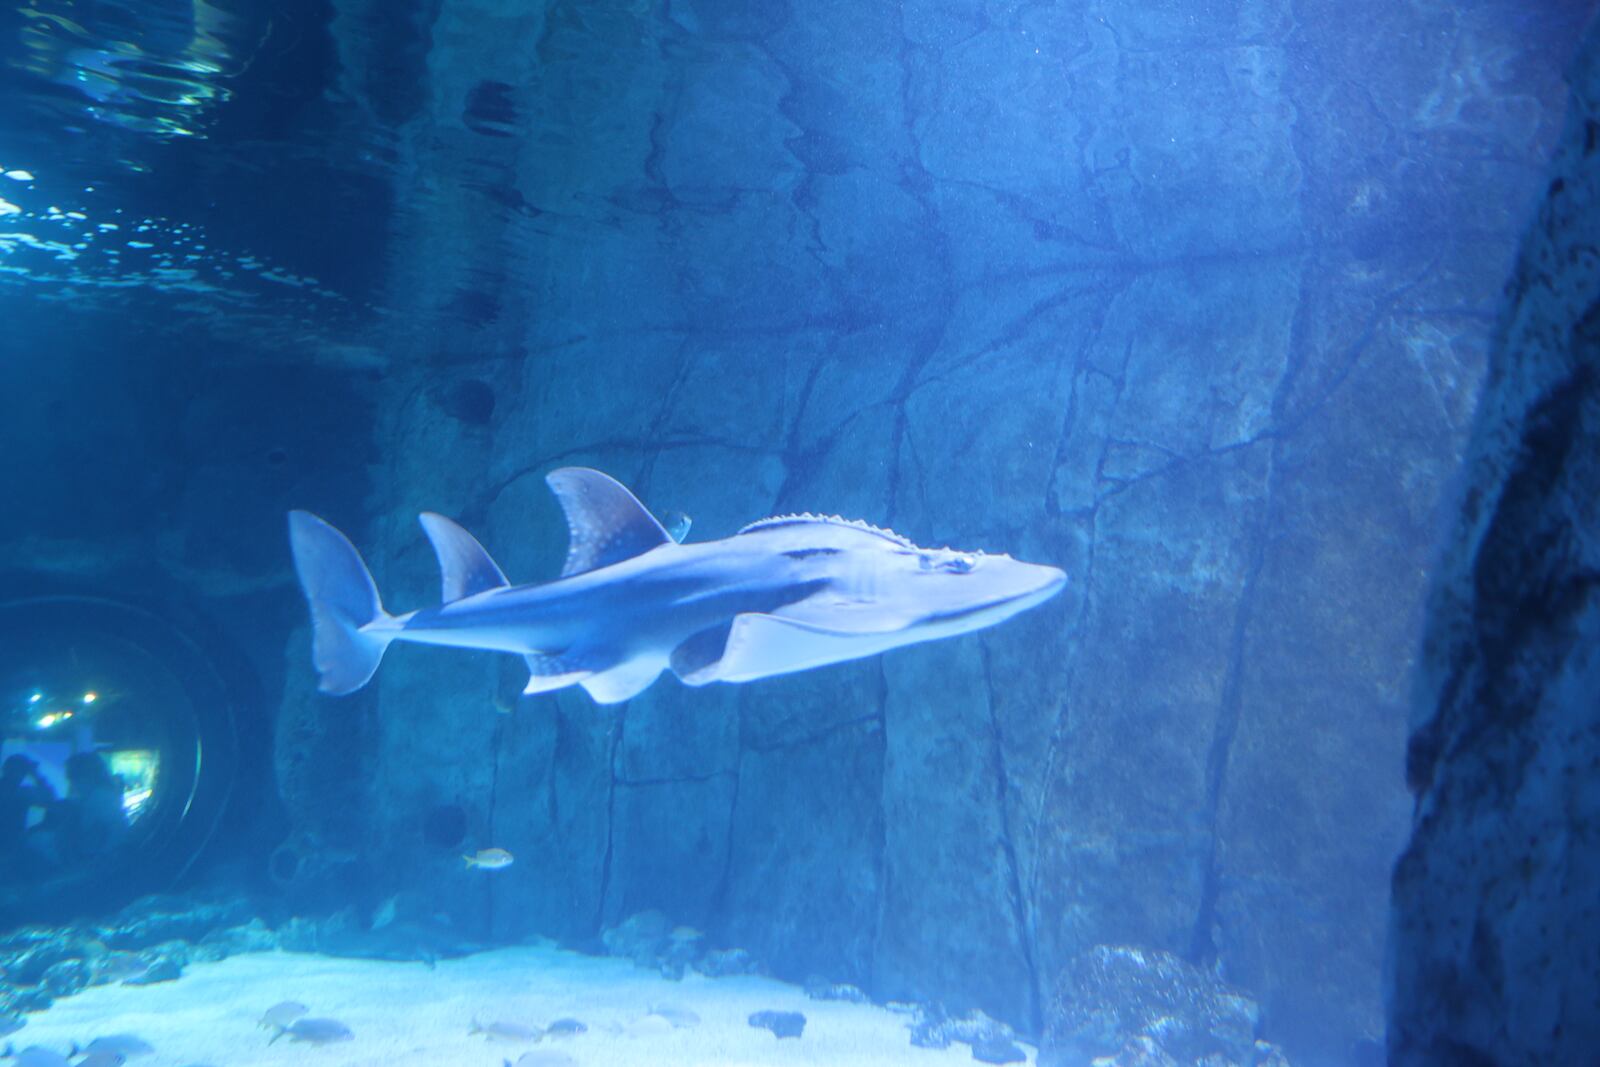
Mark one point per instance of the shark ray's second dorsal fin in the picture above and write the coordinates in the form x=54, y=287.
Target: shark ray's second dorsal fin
x=606, y=522
x=464, y=567
x=827, y=520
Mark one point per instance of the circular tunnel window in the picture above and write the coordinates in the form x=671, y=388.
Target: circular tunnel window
x=117, y=746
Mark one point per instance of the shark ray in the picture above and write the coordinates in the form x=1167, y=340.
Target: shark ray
x=783, y=594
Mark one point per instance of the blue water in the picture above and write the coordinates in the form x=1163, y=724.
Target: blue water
x=1189, y=299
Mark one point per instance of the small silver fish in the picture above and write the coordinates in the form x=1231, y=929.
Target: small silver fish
x=127, y=1046
x=565, y=1027
x=315, y=1031
x=490, y=859
x=281, y=1014
x=680, y=1018
x=543, y=1057
x=102, y=1059
x=510, y=1033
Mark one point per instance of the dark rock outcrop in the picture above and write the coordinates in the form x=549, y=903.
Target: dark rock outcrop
x=934, y=1028
x=1496, y=913
x=1121, y=1001
x=149, y=941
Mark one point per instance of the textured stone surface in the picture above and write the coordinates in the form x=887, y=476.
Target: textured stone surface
x=1192, y=306
x=1113, y=997
x=150, y=940
x=1497, y=898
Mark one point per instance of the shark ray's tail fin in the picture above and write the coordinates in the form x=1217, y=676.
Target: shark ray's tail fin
x=350, y=627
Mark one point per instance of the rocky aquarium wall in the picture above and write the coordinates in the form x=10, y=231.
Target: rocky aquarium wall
x=1195, y=307
x=1191, y=299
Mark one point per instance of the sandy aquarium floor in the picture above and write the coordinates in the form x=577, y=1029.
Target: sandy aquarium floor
x=406, y=1014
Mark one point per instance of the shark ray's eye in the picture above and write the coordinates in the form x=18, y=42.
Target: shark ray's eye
x=958, y=564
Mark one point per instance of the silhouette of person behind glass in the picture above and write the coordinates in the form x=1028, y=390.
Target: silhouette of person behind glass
x=22, y=789
x=91, y=820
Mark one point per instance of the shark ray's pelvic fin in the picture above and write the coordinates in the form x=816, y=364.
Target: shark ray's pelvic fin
x=465, y=567
x=549, y=673
x=606, y=522
x=624, y=681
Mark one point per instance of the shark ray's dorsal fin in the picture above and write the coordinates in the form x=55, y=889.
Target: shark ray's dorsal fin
x=464, y=567
x=806, y=518
x=607, y=523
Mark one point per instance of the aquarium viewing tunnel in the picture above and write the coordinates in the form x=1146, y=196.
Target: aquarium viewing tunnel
x=113, y=706
x=579, y=533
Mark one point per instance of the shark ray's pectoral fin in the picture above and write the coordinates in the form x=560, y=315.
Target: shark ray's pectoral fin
x=549, y=673
x=606, y=522
x=760, y=646
x=624, y=681
x=464, y=566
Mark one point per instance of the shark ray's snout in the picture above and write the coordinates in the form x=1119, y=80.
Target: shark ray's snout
x=1001, y=587
x=1048, y=580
